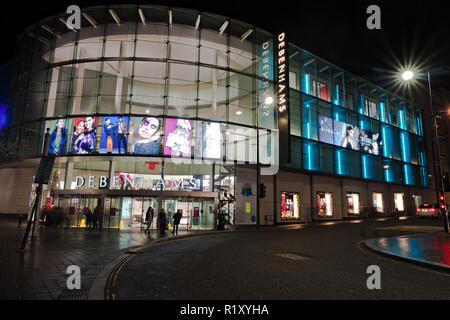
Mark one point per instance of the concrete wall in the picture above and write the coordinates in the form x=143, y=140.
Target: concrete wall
x=15, y=190
x=308, y=187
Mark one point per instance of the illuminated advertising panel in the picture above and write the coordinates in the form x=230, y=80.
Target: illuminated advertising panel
x=145, y=134
x=178, y=137
x=208, y=142
x=113, y=139
x=59, y=136
x=348, y=136
x=83, y=135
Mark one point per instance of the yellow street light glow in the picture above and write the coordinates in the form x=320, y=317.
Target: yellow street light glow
x=408, y=75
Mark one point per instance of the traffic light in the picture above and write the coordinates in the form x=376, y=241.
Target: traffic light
x=442, y=202
x=262, y=190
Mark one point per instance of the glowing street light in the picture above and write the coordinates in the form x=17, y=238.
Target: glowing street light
x=407, y=75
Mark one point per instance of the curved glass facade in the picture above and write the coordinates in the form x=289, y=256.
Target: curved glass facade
x=130, y=68
x=167, y=82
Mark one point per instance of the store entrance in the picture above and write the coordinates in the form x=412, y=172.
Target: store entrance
x=129, y=212
x=197, y=213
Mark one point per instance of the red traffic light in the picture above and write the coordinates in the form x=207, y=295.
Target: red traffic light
x=442, y=206
x=441, y=198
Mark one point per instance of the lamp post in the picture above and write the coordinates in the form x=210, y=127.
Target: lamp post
x=439, y=181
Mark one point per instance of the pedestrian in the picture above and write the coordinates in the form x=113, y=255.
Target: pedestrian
x=149, y=218
x=88, y=218
x=176, y=221
x=162, y=222
x=96, y=216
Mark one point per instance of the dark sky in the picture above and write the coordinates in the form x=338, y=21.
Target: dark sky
x=416, y=31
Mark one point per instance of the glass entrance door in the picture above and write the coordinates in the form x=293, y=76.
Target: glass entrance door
x=197, y=213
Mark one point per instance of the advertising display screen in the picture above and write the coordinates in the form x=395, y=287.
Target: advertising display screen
x=207, y=140
x=145, y=135
x=83, y=135
x=59, y=135
x=348, y=136
x=114, y=135
x=178, y=137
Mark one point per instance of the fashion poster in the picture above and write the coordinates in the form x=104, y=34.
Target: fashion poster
x=178, y=140
x=114, y=135
x=346, y=135
x=83, y=135
x=59, y=136
x=145, y=134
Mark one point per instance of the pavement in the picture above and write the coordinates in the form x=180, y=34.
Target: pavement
x=40, y=272
x=431, y=249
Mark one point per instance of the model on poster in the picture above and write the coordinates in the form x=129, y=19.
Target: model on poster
x=58, y=138
x=178, y=137
x=146, y=136
x=114, y=135
x=83, y=137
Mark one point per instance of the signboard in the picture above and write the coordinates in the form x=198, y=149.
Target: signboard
x=348, y=136
x=248, y=208
x=282, y=94
x=45, y=169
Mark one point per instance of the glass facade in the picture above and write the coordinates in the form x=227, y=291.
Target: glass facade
x=101, y=89
x=347, y=126
x=173, y=83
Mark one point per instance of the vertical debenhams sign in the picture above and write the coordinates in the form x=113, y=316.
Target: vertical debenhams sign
x=282, y=85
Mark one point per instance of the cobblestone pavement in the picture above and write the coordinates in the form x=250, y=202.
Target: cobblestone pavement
x=40, y=272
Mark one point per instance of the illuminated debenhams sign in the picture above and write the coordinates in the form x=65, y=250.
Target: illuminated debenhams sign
x=282, y=93
x=120, y=182
x=282, y=73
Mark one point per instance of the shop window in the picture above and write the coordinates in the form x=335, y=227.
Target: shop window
x=353, y=203
x=399, y=201
x=320, y=90
x=290, y=205
x=325, y=204
x=378, y=202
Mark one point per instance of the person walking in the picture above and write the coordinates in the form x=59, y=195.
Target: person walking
x=176, y=221
x=88, y=218
x=162, y=222
x=149, y=218
x=96, y=216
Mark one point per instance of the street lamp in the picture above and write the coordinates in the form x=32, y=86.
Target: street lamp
x=408, y=75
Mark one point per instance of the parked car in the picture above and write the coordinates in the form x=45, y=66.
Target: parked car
x=432, y=210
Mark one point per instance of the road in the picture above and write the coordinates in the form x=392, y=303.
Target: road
x=282, y=263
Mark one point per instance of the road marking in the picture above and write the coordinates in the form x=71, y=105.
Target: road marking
x=292, y=256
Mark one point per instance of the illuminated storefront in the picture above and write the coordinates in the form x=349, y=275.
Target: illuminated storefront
x=290, y=205
x=180, y=110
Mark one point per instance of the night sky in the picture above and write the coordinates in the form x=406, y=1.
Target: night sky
x=412, y=31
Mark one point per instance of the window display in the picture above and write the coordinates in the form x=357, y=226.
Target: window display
x=325, y=204
x=146, y=133
x=378, y=202
x=290, y=205
x=353, y=203
x=399, y=201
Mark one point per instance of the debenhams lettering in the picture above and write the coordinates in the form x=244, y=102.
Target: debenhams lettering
x=123, y=181
x=282, y=86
